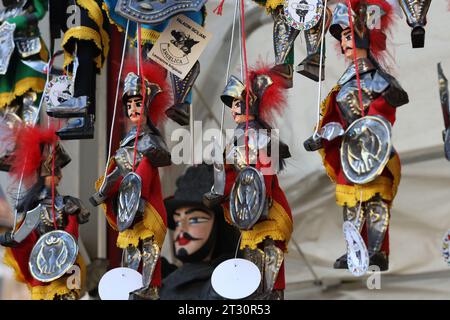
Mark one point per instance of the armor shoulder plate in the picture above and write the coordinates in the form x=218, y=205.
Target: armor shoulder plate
x=155, y=149
x=391, y=90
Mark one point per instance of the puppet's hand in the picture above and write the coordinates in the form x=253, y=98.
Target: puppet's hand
x=211, y=199
x=7, y=240
x=313, y=144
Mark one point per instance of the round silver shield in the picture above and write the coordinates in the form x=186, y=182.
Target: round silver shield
x=303, y=14
x=248, y=198
x=58, y=90
x=366, y=149
x=445, y=250
x=53, y=255
x=129, y=196
x=357, y=254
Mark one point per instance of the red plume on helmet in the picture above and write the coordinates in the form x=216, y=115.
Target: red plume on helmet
x=27, y=156
x=273, y=98
x=153, y=73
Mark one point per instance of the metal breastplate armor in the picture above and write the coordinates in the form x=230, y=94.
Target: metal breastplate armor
x=46, y=219
x=372, y=85
x=235, y=150
x=149, y=144
x=124, y=158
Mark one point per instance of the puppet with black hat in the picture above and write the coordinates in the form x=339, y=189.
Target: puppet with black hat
x=202, y=238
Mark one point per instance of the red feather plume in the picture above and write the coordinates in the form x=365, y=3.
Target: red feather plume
x=154, y=73
x=27, y=156
x=274, y=99
x=377, y=36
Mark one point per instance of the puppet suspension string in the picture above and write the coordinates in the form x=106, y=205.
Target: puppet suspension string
x=322, y=39
x=53, y=185
x=117, y=96
x=230, y=53
x=143, y=92
x=355, y=59
x=247, y=89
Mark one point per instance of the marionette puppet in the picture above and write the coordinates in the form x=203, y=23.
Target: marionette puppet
x=42, y=249
x=416, y=17
x=130, y=193
x=265, y=218
x=354, y=134
x=86, y=45
x=21, y=82
x=286, y=29
x=201, y=238
x=153, y=17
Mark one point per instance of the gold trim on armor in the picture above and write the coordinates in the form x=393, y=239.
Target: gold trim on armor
x=278, y=226
x=323, y=112
x=111, y=21
x=95, y=13
x=46, y=292
x=82, y=33
x=147, y=35
x=384, y=186
x=152, y=225
x=21, y=87
x=272, y=5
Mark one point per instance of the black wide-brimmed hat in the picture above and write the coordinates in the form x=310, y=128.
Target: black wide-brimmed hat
x=191, y=187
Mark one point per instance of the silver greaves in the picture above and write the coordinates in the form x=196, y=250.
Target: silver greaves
x=378, y=215
x=269, y=263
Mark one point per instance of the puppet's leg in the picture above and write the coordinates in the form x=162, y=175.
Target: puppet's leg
x=378, y=216
x=131, y=257
x=257, y=257
x=273, y=260
x=83, y=99
x=180, y=112
x=89, y=43
x=150, y=256
x=283, y=40
x=356, y=215
x=309, y=67
x=269, y=261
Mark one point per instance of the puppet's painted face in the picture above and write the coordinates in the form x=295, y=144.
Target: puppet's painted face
x=238, y=112
x=193, y=227
x=347, y=45
x=134, y=109
x=48, y=180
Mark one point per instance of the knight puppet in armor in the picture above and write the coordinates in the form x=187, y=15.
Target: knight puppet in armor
x=284, y=35
x=201, y=238
x=354, y=135
x=130, y=193
x=42, y=249
x=21, y=50
x=86, y=46
x=251, y=195
x=153, y=17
